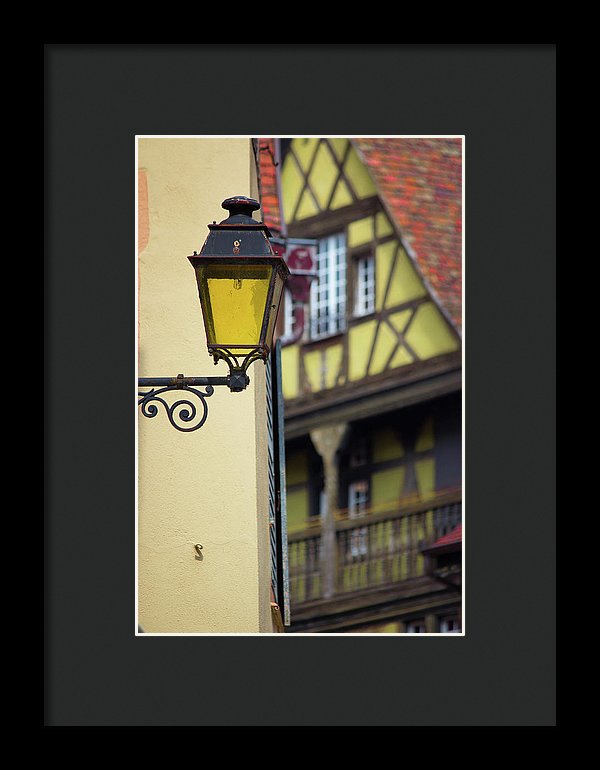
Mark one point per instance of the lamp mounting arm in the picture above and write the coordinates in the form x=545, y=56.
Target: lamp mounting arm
x=184, y=414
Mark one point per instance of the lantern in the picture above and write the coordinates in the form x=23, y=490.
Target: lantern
x=240, y=283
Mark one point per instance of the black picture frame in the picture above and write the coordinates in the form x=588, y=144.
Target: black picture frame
x=97, y=97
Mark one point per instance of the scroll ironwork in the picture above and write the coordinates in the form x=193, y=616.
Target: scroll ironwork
x=186, y=414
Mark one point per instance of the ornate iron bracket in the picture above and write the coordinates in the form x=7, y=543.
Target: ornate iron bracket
x=183, y=414
x=238, y=362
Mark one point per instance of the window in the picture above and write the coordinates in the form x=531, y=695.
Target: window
x=449, y=625
x=364, y=299
x=289, y=321
x=328, y=292
x=415, y=627
x=358, y=500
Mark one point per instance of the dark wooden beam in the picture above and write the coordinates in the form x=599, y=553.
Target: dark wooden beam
x=327, y=222
x=420, y=382
x=420, y=596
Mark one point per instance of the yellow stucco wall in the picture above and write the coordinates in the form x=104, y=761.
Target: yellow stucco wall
x=207, y=487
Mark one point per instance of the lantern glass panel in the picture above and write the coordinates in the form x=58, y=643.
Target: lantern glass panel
x=274, y=307
x=234, y=299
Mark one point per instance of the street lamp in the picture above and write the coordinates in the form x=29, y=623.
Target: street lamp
x=240, y=283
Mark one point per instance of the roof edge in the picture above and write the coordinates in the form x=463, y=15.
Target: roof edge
x=411, y=254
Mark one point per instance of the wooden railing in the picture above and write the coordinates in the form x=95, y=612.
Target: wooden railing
x=371, y=551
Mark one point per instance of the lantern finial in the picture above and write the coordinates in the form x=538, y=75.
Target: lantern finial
x=239, y=204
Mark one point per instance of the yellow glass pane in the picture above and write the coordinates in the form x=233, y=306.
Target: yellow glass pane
x=273, y=309
x=234, y=299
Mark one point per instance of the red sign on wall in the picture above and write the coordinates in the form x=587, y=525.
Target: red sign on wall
x=301, y=258
x=300, y=255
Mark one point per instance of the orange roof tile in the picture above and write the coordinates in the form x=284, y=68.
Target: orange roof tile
x=419, y=181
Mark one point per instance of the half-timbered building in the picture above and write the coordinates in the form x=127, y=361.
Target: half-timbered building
x=371, y=360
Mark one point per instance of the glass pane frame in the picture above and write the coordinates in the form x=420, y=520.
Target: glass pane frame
x=328, y=292
x=358, y=504
x=234, y=300
x=364, y=285
x=272, y=270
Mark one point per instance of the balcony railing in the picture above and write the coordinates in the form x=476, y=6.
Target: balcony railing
x=378, y=549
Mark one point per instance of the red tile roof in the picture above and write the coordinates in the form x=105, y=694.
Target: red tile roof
x=451, y=538
x=419, y=182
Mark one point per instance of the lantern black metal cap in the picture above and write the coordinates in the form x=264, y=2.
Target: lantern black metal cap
x=240, y=210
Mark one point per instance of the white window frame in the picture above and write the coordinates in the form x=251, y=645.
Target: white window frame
x=328, y=291
x=358, y=498
x=364, y=293
x=289, y=306
x=358, y=501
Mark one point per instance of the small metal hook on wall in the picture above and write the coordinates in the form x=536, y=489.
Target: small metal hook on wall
x=198, y=548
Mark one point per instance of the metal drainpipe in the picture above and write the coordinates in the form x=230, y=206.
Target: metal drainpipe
x=299, y=315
